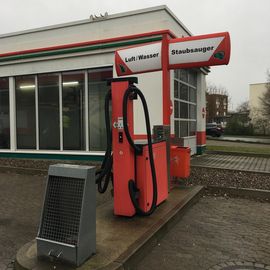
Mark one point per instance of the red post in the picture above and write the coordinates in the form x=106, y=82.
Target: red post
x=166, y=81
x=123, y=154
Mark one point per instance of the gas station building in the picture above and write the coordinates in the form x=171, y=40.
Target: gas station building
x=52, y=86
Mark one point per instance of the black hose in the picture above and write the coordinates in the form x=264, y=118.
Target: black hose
x=104, y=174
x=132, y=90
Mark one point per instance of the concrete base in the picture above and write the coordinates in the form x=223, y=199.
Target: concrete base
x=121, y=242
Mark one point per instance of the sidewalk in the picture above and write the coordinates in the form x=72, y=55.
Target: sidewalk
x=233, y=162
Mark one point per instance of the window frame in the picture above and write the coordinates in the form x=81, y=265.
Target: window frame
x=188, y=102
x=13, y=112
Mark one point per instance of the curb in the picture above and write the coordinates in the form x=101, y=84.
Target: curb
x=247, y=193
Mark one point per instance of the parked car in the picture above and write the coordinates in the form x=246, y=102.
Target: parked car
x=214, y=130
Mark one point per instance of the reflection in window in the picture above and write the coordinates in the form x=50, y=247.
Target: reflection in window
x=73, y=110
x=183, y=92
x=192, y=111
x=192, y=128
x=176, y=109
x=176, y=89
x=48, y=106
x=4, y=114
x=184, y=110
x=184, y=75
x=184, y=128
x=97, y=91
x=192, y=95
x=176, y=129
x=25, y=112
x=192, y=78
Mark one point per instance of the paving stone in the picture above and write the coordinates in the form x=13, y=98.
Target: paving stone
x=224, y=231
x=233, y=162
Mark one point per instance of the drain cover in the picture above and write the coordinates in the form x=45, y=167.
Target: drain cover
x=239, y=265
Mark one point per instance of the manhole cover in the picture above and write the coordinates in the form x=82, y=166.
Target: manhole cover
x=239, y=265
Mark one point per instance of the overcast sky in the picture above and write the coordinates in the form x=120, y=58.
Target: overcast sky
x=248, y=22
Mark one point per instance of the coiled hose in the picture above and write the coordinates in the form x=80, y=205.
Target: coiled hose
x=104, y=174
x=130, y=93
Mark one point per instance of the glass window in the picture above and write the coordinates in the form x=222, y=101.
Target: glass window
x=183, y=110
x=192, y=128
x=184, y=75
x=176, y=90
x=176, y=109
x=183, y=128
x=192, y=95
x=176, y=128
x=192, y=78
x=25, y=112
x=97, y=90
x=4, y=114
x=183, y=92
x=73, y=86
x=192, y=111
x=48, y=107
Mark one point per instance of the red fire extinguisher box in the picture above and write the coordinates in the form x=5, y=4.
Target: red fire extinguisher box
x=180, y=161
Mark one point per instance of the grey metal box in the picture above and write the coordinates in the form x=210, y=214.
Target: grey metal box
x=163, y=133
x=67, y=230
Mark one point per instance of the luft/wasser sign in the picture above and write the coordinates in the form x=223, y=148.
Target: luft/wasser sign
x=188, y=52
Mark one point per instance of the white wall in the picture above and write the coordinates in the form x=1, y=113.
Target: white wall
x=201, y=102
x=255, y=92
x=151, y=86
x=90, y=30
x=59, y=64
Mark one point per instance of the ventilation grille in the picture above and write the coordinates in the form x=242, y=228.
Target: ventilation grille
x=62, y=209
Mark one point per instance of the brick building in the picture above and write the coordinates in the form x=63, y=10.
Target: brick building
x=216, y=108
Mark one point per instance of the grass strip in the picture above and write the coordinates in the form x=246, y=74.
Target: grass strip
x=238, y=149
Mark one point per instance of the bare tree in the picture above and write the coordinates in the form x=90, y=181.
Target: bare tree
x=219, y=90
x=260, y=122
x=214, y=89
x=265, y=99
x=243, y=107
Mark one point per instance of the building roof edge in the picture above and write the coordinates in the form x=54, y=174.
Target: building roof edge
x=109, y=17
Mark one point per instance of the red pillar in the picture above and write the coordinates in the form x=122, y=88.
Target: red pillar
x=166, y=92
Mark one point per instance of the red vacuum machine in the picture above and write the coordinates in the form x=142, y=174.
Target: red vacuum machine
x=138, y=169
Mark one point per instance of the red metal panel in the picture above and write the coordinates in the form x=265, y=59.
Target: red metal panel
x=144, y=176
x=123, y=155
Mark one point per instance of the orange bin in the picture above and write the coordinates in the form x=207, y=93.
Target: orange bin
x=180, y=161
